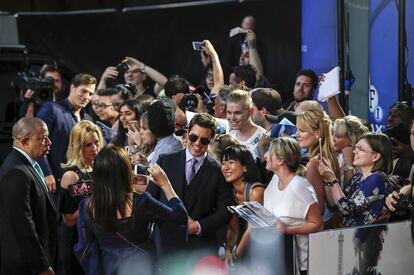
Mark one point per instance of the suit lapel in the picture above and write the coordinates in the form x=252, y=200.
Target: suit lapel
x=42, y=185
x=180, y=175
x=36, y=178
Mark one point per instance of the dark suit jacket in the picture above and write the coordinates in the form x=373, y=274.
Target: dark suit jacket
x=206, y=198
x=28, y=219
x=60, y=120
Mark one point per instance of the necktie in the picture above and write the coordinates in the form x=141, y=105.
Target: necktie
x=192, y=171
x=39, y=171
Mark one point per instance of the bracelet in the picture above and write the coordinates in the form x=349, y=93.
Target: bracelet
x=331, y=182
x=143, y=68
x=234, y=253
x=348, y=168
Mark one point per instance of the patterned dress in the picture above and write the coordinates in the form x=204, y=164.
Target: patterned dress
x=365, y=199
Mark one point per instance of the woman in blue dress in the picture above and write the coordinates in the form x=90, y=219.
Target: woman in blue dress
x=113, y=223
x=362, y=202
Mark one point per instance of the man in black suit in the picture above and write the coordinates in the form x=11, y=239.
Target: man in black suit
x=197, y=179
x=28, y=218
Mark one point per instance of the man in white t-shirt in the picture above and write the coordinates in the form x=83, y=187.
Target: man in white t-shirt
x=239, y=115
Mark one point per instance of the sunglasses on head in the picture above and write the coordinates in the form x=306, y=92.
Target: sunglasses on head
x=203, y=140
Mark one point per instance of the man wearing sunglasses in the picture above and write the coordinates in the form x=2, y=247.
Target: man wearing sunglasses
x=197, y=180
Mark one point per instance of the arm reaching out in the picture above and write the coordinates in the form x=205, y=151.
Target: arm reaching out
x=155, y=75
x=218, y=76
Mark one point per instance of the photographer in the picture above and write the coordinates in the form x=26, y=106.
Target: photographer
x=393, y=200
x=135, y=72
x=32, y=100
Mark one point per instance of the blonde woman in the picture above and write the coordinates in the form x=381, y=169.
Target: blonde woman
x=346, y=133
x=291, y=197
x=85, y=141
x=312, y=126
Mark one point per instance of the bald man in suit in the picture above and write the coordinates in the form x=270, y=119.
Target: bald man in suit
x=28, y=217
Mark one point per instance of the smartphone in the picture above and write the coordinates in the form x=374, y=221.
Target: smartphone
x=197, y=46
x=320, y=148
x=140, y=169
x=141, y=174
x=80, y=188
x=134, y=125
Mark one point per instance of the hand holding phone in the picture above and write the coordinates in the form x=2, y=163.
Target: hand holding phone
x=198, y=46
x=134, y=125
x=141, y=174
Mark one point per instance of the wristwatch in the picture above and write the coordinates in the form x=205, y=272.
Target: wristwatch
x=348, y=168
x=330, y=182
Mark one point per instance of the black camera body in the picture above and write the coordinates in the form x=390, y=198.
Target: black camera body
x=121, y=68
x=42, y=87
x=190, y=102
x=404, y=206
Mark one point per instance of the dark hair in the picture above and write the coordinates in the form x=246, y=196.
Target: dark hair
x=145, y=101
x=267, y=98
x=126, y=91
x=112, y=182
x=241, y=153
x=312, y=75
x=204, y=120
x=220, y=143
x=404, y=110
x=380, y=143
x=107, y=92
x=223, y=93
x=206, y=69
x=83, y=79
x=246, y=73
x=136, y=107
x=176, y=84
x=49, y=67
x=362, y=233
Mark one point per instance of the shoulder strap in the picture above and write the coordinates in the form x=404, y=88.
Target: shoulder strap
x=131, y=243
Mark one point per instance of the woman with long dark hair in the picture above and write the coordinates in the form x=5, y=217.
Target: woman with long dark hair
x=130, y=110
x=113, y=223
x=239, y=169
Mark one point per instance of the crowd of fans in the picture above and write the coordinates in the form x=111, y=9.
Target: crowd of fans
x=138, y=172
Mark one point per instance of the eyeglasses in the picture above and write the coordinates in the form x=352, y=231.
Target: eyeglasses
x=117, y=105
x=359, y=148
x=102, y=106
x=193, y=138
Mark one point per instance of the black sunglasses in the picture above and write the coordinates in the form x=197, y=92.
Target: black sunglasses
x=203, y=140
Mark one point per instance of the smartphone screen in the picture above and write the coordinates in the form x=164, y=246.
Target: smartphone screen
x=141, y=174
x=197, y=46
x=80, y=188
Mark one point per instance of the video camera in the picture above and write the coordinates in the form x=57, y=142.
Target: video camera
x=190, y=100
x=41, y=86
